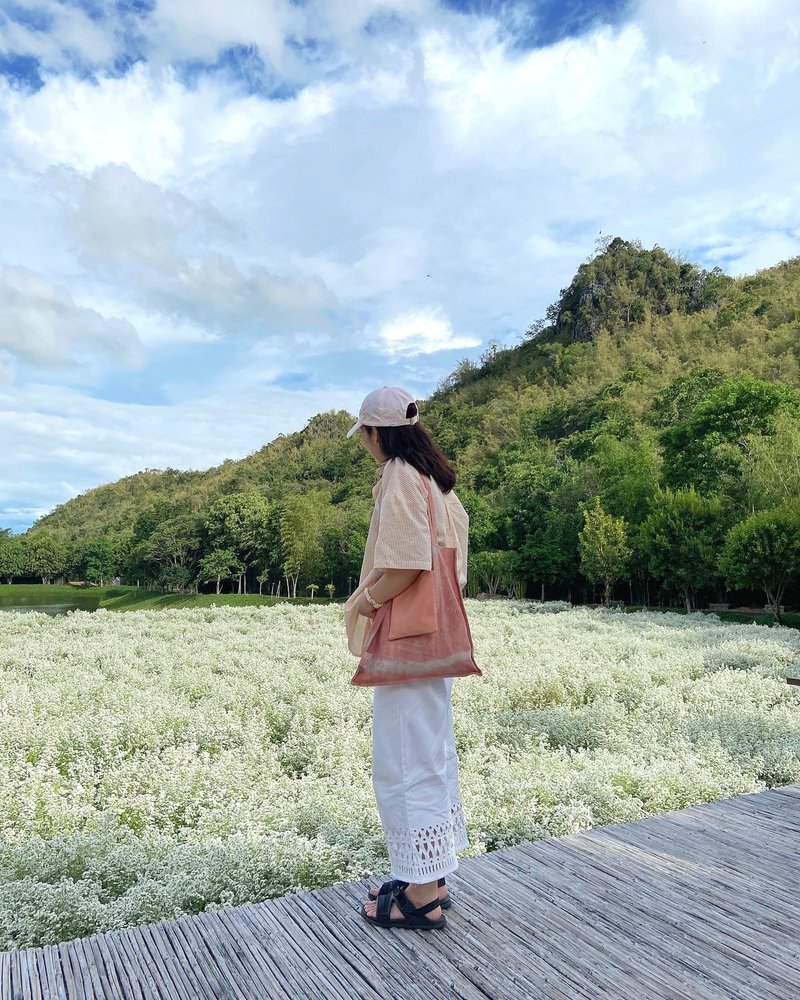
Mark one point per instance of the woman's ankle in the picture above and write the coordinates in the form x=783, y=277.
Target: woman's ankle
x=422, y=892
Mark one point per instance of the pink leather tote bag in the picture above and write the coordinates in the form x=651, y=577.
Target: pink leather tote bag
x=423, y=632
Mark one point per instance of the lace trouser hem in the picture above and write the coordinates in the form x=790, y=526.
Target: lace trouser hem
x=428, y=853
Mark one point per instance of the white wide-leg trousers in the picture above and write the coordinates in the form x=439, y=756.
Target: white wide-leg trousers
x=415, y=777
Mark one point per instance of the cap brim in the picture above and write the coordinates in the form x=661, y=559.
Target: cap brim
x=354, y=428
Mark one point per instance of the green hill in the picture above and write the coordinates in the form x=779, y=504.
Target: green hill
x=646, y=374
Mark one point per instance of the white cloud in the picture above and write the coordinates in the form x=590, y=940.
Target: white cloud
x=116, y=216
x=422, y=332
x=199, y=29
x=41, y=323
x=70, y=34
x=135, y=233
x=165, y=131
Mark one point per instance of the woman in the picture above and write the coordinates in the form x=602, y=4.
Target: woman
x=414, y=764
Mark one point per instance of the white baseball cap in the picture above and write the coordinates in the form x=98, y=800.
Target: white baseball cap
x=384, y=407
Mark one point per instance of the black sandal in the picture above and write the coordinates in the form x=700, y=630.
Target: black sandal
x=397, y=884
x=413, y=919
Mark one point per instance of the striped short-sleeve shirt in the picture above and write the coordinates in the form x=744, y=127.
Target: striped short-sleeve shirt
x=399, y=537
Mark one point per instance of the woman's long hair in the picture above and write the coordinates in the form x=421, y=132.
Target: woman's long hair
x=414, y=445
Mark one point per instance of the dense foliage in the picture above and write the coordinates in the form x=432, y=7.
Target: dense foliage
x=668, y=395
x=169, y=762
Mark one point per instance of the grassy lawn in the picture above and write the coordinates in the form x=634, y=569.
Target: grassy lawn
x=130, y=598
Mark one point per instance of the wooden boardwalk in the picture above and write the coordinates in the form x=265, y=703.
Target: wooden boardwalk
x=701, y=904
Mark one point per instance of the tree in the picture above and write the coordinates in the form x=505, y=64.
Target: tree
x=12, y=560
x=494, y=570
x=626, y=475
x=330, y=589
x=543, y=518
x=99, y=561
x=343, y=536
x=313, y=588
x=45, y=555
x=219, y=565
x=549, y=555
x=172, y=546
x=771, y=468
x=603, y=548
x=240, y=522
x=764, y=551
x=300, y=526
x=485, y=520
x=681, y=539
x=707, y=450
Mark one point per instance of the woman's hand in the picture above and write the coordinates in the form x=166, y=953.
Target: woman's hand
x=363, y=607
x=385, y=587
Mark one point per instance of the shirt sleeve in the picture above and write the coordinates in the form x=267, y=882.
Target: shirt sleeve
x=404, y=539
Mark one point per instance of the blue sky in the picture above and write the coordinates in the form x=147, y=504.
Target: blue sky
x=220, y=219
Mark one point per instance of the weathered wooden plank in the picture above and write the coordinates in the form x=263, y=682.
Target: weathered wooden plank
x=19, y=981
x=5, y=973
x=214, y=955
x=558, y=942
x=720, y=879
x=301, y=961
x=203, y=973
x=703, y=892
x=729, y=854
x=776, y=813
x=593, y=902
x=709, y=831
x=157, y=944
x=686, y=913
x=234, y=940
x=758, y=828
x=144, y=979
x=71, y=967
x=129, y=983
x=525, y=953
x=779, y=807
x=318, y=914
x=571, y=933
x=38, y=975
x=256, y=942
x=95, y=984
x=459, y=947
x=665, y=921
x=488, y=937
x=196, y=983
x=55, y=979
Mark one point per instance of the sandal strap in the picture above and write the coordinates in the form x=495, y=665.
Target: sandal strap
x=384, y=907
x=408, y=909
x=392, y=886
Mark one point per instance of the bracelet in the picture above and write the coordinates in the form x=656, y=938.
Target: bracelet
x=369, y=598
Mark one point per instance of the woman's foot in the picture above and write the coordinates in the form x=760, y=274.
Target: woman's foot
x=421, y=898
x=395, y=884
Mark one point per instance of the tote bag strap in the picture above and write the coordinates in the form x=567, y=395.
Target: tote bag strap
x=432, y=526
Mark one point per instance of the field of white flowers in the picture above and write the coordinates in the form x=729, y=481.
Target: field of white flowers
x=160, y=763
